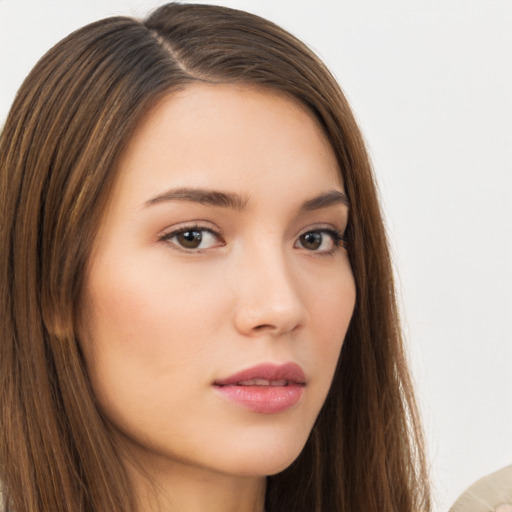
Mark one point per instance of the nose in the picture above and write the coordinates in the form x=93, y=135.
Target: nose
x=268, y=296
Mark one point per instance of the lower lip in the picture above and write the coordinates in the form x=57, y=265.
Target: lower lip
x=263, y=399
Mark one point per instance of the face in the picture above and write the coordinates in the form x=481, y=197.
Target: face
x=219, y=291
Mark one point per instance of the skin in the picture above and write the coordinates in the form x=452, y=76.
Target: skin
x=161, y=322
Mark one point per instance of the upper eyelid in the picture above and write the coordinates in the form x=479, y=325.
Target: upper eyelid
x=188, y=226
x=178, y=231
x=326, y=227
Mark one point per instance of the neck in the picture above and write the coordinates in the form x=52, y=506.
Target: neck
x=185, y=488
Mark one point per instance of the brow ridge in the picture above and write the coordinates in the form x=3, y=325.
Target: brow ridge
x=202, y=196
x=330, y=198
x=238, y=202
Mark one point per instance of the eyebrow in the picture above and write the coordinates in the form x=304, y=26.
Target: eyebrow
x=202, y=196
x=330, y=198
x=238, y=202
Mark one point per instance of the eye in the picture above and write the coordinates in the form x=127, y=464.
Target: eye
x=321, y=240
x=193, y=238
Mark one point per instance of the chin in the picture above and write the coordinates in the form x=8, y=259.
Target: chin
x=267, y=460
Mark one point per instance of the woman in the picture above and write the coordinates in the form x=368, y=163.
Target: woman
x=193, y=320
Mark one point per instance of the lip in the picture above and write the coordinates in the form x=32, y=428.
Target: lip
x=266, y=388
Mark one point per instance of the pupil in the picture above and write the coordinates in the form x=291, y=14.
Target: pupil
x=312, y=240
x=190, y=239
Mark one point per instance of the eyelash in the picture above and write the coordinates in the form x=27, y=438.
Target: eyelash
x=339, y=240
x=167, y=237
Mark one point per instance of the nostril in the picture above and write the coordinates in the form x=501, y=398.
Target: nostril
x=274, y=329
x=263, y=327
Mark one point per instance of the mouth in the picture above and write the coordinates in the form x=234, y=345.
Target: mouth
x=266, y=375
x=264, y=382
x=265, y=389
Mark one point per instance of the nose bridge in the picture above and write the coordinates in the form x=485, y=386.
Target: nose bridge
x=268, y=295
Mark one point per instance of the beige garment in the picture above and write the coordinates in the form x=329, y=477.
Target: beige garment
x=492, y=493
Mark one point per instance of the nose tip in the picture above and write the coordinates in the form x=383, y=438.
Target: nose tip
x=270, y=305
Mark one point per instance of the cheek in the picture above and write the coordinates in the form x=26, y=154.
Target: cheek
x=148, y=330
x=139, y=344
x=331, y=311
x=150, y=308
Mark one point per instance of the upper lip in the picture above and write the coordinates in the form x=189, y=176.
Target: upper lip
x=273, y=373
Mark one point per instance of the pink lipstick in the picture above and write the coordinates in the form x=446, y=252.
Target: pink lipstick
x=267, y=388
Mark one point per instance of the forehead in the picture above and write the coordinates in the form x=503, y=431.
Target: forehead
x=228, y=133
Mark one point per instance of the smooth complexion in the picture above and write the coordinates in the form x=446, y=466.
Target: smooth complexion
x=221, y=250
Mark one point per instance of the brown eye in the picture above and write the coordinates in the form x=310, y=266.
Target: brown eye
x=190, y=239
x=193, y=239
x=322, y=241
x=311, y=241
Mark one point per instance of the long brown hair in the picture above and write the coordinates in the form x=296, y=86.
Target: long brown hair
x=59, y=148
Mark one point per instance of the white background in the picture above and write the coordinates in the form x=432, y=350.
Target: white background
x=431, y=83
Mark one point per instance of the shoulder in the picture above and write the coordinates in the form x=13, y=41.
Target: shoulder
x=493, y=493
